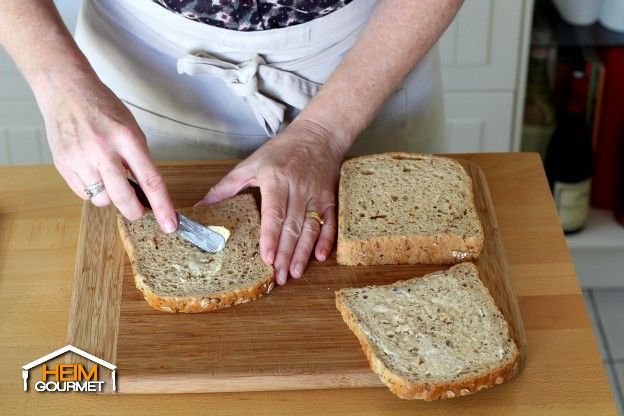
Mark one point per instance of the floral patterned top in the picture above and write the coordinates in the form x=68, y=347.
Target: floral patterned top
x=250, y=15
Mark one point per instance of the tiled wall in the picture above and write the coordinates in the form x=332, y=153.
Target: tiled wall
x=22, y=133
x=606, y=308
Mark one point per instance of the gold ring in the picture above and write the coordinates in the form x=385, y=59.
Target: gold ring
x=315, y=215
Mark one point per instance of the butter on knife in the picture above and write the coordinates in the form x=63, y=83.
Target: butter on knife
x=211, y=239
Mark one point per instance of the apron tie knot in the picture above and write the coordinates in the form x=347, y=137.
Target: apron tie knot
x=246, y=83
x=264, y=87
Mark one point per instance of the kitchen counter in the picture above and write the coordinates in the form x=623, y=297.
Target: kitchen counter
x=564, y=375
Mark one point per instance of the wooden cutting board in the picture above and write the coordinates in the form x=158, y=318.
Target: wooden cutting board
x=293, y=338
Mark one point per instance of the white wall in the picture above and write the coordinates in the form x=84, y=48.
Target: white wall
x=22, y=134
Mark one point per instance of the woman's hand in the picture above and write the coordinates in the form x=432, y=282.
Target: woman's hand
x=296, y=172
x=94, y=137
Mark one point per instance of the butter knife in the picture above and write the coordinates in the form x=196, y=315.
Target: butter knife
x=191, y=231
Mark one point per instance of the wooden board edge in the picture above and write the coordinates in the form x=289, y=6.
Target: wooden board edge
x=201, y=383
x=96, y=296
x=512, y=314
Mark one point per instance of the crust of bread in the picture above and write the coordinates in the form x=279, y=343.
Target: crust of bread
x=406, y=389
x=188, y=304
x=431, y=249
x=414, y=249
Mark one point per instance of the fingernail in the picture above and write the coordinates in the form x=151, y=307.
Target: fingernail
x=271, y=257
x=282, y=275
x=298, y=270
x=322, y=256
x=170, y=225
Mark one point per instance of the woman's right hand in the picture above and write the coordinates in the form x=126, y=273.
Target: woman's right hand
x=93, y=137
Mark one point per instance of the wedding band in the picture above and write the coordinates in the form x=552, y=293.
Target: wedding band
x=94, y=189
x=315, y=215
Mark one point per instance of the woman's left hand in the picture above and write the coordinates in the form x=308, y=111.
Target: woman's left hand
x=297, y=172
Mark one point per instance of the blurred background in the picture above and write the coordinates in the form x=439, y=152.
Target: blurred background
x=544, y=76
x=573, y=115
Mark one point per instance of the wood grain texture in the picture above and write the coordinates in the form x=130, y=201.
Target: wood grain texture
x=234, y=349
x=493, y=264
x=94, y=307
x=564, y=375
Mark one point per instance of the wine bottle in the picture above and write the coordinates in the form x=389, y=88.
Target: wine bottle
x=569, y=160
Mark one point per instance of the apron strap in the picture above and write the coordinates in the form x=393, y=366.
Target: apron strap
x=264, y=87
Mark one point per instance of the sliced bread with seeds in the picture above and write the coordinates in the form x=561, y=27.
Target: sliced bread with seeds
x=432, y=337
x=401, y=208
x=176, y=276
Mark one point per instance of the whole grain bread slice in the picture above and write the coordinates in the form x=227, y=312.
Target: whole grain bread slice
x=432, y=337
x=176, y=276
x=397, y=208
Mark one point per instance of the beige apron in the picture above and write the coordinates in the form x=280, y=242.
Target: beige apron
x=202, y=92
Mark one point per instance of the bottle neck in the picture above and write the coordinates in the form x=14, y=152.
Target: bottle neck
x=576, y=105
x=576, y=102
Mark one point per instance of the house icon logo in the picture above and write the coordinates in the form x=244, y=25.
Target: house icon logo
x=68, y=377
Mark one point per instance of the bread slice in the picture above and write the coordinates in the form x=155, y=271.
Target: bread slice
x=176, y=276
x=397, y=208
x=432, y=337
